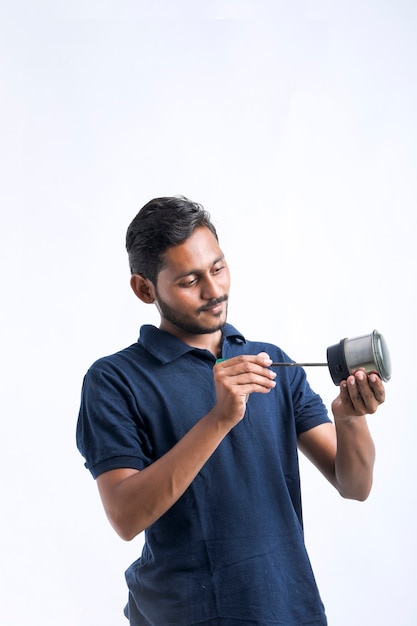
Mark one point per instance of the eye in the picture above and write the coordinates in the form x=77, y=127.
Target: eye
x=185, y=284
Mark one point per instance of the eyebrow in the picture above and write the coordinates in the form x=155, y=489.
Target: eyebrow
x=198, y=271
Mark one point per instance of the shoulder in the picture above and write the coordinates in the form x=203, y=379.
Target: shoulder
x=120, y=360
x=114, y=373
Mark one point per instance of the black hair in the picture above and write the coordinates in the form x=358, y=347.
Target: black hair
x=159, y=225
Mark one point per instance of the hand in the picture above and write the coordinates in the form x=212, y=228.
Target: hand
x=360, y=395
x=236, y=378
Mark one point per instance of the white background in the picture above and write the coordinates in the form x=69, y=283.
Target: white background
x=294, y=124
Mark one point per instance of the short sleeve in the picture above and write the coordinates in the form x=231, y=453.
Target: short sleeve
x=110, y=433
x=309, y=408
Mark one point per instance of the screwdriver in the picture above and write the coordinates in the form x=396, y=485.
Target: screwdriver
x=285, y=363
x=299, y=364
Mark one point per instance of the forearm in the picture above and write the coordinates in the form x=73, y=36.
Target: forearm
x=133, y=500
x=355, y=457
x=359, y=396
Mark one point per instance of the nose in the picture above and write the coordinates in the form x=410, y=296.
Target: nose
x=211, y=288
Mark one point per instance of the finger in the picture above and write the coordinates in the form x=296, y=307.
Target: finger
x=249, y=389
x=377, y=387
x=255, y=378
x=246, y=364
x=365, y=396
x=344, y=394
x=365, y=390
x=262, y=359
x=355, y=396
x=245, y=376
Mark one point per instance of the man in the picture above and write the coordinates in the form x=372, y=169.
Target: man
x=193, y=438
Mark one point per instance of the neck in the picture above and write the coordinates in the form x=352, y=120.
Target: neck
x=204, y=341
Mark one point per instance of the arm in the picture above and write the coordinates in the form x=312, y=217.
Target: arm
x=344, y=452
x=135, y=499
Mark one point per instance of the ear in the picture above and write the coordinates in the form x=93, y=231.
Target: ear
x=143, y=288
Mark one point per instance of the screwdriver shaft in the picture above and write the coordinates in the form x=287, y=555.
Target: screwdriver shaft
x=299, y=364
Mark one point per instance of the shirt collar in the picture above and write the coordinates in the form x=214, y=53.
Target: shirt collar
x=166, y=348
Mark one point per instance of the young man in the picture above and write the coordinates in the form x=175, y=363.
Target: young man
x=193, y=438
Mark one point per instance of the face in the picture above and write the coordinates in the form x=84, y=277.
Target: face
x=193, y=286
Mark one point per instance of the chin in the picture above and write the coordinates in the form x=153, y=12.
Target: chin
x=214, y=329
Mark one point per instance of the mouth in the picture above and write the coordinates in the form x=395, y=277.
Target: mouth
x=215, y=307
x=215, y=310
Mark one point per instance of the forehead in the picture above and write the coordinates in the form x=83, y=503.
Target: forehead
x=199, y=252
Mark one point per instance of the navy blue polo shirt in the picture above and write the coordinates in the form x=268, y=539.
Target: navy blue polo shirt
x=231, y=550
